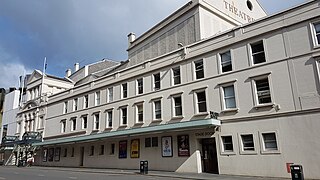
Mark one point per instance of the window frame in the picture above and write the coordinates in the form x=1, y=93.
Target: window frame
x=112, y=151
x=122, y=116
x=222, y=87
x=108, y=112
x=241, y=144
x=255, y=90
x=173, y=106
x=91, y=150
x=175, y=76
x=82, y=122
x=155, y=82
x=230, y=51
x=63, y=126
x=139, y=86
x=65, y=107
x=223, y=151
x=95, y=122
x=196, y=101
x=138, y=113
x=252, y=54
x=316, y=42
x=97, y=98
x=154, y=110
x=73, y=126
x=110, y=94
x=262, y=144
x=101, y=149
x=75, y=104
x=124, y=90
x=195, y=69
x=85, y=101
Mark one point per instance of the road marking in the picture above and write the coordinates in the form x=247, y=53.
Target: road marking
x=73, y=178
x=41, y=175
x=16, y=173
x=2, y=178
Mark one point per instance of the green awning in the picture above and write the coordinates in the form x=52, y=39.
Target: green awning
x=135, y=131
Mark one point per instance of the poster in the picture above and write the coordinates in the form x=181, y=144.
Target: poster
x=166, y=146
x=135, y=148
x=44, y=155
x=183, y=145
x=122, y=149
x=57, y=154
x=50, y=154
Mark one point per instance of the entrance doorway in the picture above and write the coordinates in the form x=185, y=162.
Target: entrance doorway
x=81, y=155
x=209, y=157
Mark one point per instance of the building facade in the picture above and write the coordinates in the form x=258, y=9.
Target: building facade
x=199, y=93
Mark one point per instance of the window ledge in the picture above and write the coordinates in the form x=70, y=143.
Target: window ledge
x=230, y=110
x=266, y=152
x=248, y=152
x=264, y=105
x=95, y=130
x=201, y=114
x=123, y=126
x=156, y=120
x=138, y=123
x=177, y=117
x=108, y=129
x=227, y=153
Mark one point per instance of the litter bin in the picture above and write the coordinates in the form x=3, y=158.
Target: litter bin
x=143, y=167
x=296, y=172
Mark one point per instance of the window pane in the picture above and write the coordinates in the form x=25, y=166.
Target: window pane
x=227, y=143
x=154, y=141
x=258, y=54
x=157, y=109
x=124, y=90
x=176, y=76
x=263, y=91
x=140, y=112
x=177, y=106
x=147, y=142
x=229, y=97
x=110, y=94
x=226, y=64
x=124, y=116
x=140, y=86
x=156, y=78
x=202, y=105
x=199, y=69
x=247, y=142
x=110, y=119
x=270, y=141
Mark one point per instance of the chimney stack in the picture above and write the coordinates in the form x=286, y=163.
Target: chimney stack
x=131, y=38
x=68, y=72
x=76, y=67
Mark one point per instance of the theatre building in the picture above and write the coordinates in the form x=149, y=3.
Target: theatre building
x=217, y=87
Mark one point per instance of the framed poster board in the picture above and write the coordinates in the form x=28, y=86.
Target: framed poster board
x=122, y=149
x=50, y=154
x=57, y=154
x=166, y=144
x=183, y=145
x=134, y=148
x=44, y=155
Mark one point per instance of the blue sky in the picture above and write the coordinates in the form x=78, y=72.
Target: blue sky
x=85, y=31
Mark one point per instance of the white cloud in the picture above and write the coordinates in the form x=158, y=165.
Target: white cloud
x=10, y=73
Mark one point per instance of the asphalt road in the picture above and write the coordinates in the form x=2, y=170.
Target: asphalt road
x=25, y=173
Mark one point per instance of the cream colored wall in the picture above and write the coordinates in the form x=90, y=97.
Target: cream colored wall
x=298, y=144
x=152, y=154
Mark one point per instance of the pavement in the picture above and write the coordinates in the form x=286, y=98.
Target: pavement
x=169, y=175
